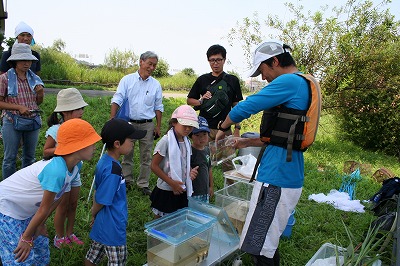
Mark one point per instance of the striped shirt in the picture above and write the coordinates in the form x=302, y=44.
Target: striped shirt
x=25, y=97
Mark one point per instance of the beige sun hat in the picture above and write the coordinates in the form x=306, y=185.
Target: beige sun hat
x=21, y=52
x=68, y=100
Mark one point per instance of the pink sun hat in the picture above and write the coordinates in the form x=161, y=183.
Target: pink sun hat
x=186, y=116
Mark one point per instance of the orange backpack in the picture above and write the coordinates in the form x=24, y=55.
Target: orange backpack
x=291, y=128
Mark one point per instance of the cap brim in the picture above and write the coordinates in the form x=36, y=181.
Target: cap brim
x=22, y=57
x=187, y=122
x=138, y=134
x=254, y=72
x=201, y=129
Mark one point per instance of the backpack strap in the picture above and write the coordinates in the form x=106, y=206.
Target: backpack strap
x=253, y=176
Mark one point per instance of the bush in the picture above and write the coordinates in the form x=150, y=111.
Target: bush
x=161, y=69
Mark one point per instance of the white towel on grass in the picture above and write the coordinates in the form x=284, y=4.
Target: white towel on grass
x=339, y=200
x=175, y=156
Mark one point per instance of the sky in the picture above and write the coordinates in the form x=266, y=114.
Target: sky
x=179, y=31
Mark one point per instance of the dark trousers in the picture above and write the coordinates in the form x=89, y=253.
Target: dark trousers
x=264, y=261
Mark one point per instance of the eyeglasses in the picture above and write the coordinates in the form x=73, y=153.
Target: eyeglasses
x=216, y=60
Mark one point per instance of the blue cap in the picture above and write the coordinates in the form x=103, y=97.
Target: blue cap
x=203, y=126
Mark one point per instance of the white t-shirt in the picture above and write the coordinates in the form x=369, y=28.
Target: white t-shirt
x=22, y=192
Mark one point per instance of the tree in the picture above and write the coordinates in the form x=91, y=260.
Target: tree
x=161, y=69
x=354, y=53
x=189, y=72
x=121, y=60
x=59, y=45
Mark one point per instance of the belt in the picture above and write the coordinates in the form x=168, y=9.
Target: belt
x=141, y=121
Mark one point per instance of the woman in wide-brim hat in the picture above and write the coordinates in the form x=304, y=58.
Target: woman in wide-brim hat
x=21, y=93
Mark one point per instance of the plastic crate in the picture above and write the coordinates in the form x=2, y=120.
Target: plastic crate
x=180, y=238
x=327, y=251
x=235, y=199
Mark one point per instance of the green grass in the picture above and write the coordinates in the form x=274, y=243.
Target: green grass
x=315, y=223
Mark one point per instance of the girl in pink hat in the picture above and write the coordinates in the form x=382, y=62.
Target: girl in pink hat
x=171, y=163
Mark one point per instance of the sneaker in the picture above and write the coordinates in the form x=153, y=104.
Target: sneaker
x=61, y=242
x=74, y=239
x=146, y=191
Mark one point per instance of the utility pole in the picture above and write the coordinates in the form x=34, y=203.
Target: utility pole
x=3, y=17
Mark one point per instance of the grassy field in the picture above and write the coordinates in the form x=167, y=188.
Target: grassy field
x=315, y=224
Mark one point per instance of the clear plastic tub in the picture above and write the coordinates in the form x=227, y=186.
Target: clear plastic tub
x=180, y=238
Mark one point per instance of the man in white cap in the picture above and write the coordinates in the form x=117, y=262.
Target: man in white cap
x=279, y=181
x=23, y=34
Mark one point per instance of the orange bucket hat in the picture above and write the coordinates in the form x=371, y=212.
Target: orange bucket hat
x=74, y=135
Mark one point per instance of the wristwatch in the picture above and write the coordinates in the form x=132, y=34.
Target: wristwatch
x=238, y=127
x=221, y=128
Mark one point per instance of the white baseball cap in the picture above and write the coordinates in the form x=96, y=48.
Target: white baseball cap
x=265, y=51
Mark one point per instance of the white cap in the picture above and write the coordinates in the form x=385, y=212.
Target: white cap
x=265, y=51
x=23, y=27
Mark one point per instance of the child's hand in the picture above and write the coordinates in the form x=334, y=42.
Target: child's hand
x=194, y=172
x=23, y=250
x=177, y=187
x=41, y=231
x=92, y=221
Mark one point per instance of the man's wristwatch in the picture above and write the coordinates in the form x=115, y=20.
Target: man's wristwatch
x=221, y=128
x=238, y=127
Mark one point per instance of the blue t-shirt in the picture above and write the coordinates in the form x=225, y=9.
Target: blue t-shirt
x=21, y=194
x=109, y=226
x=291, y=91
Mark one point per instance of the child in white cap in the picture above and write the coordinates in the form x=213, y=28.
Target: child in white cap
x=171, y=163
x=70, y=104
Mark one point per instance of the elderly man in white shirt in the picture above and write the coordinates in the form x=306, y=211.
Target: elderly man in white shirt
x=144, y=96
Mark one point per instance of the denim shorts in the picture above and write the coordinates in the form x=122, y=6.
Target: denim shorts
x=10, y=231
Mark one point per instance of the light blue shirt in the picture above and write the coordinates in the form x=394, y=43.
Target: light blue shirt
x=145, y=96
x=291, y=91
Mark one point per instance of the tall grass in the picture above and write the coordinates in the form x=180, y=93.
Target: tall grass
x=62, y=67
x=315, y=223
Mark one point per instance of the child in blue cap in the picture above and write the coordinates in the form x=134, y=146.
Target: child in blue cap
x=203, y=184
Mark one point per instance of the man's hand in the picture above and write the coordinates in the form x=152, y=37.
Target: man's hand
x=240, y=143
x=207, y=95
x=220, y=135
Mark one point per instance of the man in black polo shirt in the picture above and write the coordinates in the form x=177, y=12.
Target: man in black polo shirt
x=215, y=84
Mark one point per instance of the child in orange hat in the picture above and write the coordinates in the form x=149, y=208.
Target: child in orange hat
x=29, y=196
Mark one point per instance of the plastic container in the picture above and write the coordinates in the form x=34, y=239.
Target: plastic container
x=250, y=150
x=287, y=233
x=326, y=255
x=222, y=150
x=235, y=200
x=180, y=238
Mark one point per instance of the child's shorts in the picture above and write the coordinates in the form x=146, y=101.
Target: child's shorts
x=204, y=198
x=116, y=254
x=10, y=231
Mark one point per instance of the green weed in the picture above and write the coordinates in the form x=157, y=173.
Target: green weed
x=315, y=223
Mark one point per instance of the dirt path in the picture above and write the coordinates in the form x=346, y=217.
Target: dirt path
x=94, y=93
